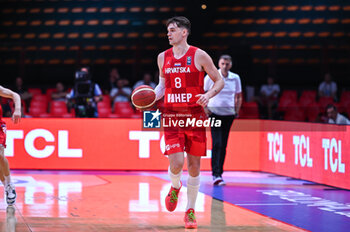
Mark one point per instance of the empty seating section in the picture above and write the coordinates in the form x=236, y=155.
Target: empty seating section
x=49, y=27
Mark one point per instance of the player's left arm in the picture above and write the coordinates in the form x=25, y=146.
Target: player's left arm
x=204, y=61
x=4, y=92
x=238, y=96
x=238, y=102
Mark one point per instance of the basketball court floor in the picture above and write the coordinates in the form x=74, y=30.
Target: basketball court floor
x=134, y=201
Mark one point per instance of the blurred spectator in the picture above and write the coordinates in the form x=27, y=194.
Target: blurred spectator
x=22, y=90
x=113, y=77
x=269, y=98
x=60, y=93
x=147, y=80
x=334, y=117
x=328, y=88
x=121, y=93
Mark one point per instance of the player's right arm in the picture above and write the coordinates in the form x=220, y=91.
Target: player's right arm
x=160, y=88
x=4, y=92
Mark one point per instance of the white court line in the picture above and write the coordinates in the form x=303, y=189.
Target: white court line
x=268, y=204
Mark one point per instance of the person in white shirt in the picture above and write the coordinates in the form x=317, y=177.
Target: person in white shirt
x=224, y=106
x=334, y=117
x=121, y=93
x=147, y=80
x=269, y=97
x=328, y=88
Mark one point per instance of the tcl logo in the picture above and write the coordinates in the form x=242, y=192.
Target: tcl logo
x=62, y=143
x=145, y=137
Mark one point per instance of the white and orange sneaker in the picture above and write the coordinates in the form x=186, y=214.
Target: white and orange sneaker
x=190, y=219
x=10, y=194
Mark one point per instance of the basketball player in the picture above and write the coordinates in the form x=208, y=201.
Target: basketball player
x=5, y=176
x=181, y=80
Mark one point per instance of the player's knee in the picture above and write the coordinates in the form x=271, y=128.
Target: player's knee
x=2, y=152
x=176, y=167
x=2, y=157
x=194, y=169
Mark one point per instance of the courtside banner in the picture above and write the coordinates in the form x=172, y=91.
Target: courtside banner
x=110, y=144
x=309, y=151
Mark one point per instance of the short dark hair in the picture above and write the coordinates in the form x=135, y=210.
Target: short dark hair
x=226, y=57
x=331, y=106
x=180, y=21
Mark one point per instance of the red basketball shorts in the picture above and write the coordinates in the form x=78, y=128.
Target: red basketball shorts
x=191, y=140
x=3, y=133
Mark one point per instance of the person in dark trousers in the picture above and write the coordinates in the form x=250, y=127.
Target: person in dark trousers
x=224, y=106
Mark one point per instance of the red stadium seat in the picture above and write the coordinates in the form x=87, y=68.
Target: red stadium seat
x=106, y=99
x=104, y=112
x=324, y=101
x=290, y=94
x=249, y=110
x=103, y=104
x=305, y=102
x=307, y=97
x=34, y=91
x=285, y=102
x=341, y=108
x=58, y=111
x=68, y=115
x=40, y=97
x=135, y=115
x=295, y=114
x=36, y=111
x=49, y=92
x=345, y=97
x=307, y=94
x=38, y=104
x=313, y=111
x=124, y=109
x=126, y=113
x=59, y=104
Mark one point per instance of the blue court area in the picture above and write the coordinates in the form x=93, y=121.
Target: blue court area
x=304, y=204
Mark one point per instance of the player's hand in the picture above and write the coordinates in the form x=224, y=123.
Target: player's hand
x=16, y=116
x=203, y=99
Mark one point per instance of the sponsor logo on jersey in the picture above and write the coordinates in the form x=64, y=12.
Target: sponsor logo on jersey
x=189, y=60
x=172, y=146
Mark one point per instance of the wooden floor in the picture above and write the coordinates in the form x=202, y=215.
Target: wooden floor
x=69, y=201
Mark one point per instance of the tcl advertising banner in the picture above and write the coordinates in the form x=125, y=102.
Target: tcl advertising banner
x=315, y=152
x=109, y=144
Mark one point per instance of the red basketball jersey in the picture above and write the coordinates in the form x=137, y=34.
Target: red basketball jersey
x=0, y=112
x=183, y=81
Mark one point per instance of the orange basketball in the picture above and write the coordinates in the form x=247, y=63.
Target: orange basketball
x=143, y=97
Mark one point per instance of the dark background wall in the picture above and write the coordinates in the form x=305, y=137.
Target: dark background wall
x=294, y=41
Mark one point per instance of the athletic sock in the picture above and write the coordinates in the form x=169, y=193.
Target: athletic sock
x=192, y=191
x=175, y=178
x=7, y=180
